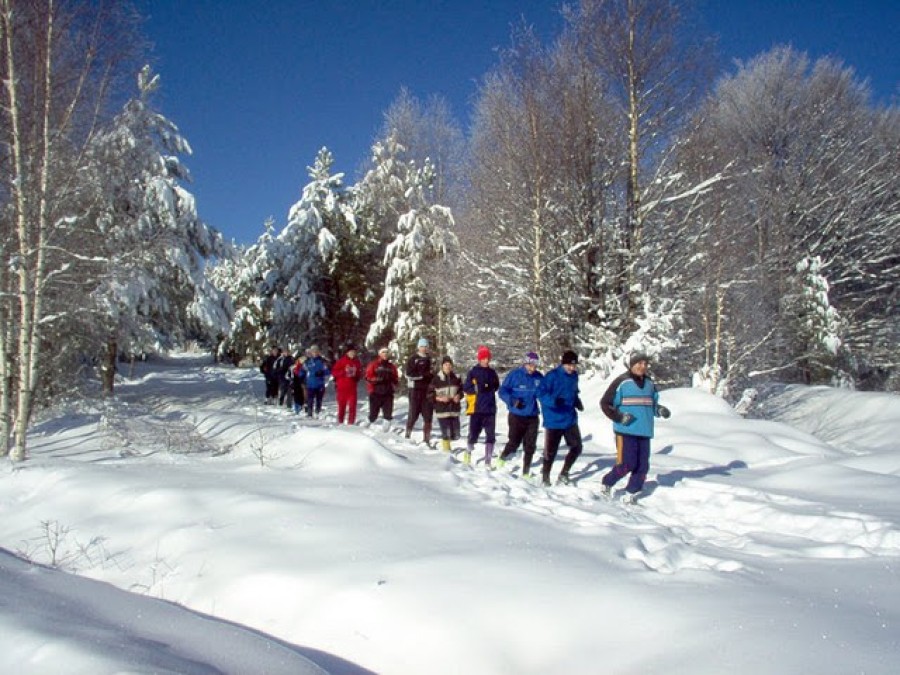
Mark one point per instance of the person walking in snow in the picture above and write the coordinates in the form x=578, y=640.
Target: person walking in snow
x=418, y=377
x=632, y=402
x=283, y=367
x=316, y=378
x=382, y=379
x=519, y=393
x=480, y=386
x=267, y=368
x=560, y=403
x=347, y=373
x=445, y=393
x=298, y=384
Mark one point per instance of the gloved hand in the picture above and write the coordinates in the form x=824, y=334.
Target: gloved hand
x=560, y=402
x=663, y=412
x=518, y=403
x=626, y=419
x=578, y=404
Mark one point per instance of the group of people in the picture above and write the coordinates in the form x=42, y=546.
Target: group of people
x=631, y=401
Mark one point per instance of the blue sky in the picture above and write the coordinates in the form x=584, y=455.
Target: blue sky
x=258, y=87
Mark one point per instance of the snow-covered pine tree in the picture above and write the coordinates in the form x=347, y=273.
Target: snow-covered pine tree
x=152, y=290
x=409, y=307
x=306, y=284
x=819, y=328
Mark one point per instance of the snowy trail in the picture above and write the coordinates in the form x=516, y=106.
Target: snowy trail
x=360, y=544
x=689, y=519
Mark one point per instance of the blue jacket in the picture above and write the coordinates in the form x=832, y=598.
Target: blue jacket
x=317, y=372
x=630, y=394
x=483, y=382
x=558, y=394
x=520, y=388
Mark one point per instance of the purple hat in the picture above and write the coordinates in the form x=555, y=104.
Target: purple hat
x=532, y=358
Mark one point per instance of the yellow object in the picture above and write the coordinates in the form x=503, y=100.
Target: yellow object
x=470, y=404
x=445, y=445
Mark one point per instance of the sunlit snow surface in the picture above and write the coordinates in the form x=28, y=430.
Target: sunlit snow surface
x=209, y=533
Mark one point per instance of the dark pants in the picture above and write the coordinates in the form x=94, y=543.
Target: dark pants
x=314, y=400
x=449, y=428
x=284, y=392
x=419, y=405
x=381, y=403
x=522, y=431
x=632, y=456
x=271, y=388
x=552, y=437
x=479, y=422
x=299, y=396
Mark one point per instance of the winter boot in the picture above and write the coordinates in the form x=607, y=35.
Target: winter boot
x=467, y=457
x=488, y=455
x=445, y=444
x=408, y=431
x=563, y=479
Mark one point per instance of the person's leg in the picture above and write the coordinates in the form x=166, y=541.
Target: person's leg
x=490, y=437
x=529, y=443
x=374, y=405
x=516, y=428
x=641, y=466
x=626, y=456
x=341, y=406
x=573, y=440
x=552, y=437
x=416, y=397
x=351, y=405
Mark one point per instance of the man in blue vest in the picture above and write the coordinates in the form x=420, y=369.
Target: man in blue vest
x=632, y=403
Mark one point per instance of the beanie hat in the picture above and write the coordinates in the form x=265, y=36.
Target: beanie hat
x=350, y=347
x=569, y=357
x=483, y=353
x=637, y=357
x=532, y=358
x=446, y=359
x=422, y=342
x=384, y=350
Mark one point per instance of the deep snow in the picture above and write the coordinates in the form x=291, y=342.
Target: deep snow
x=209, y=533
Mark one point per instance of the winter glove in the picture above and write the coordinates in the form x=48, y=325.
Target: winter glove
x=518, y=404
x=663, y=412
x=626, y=419
x=579, y=405
x=560, y=402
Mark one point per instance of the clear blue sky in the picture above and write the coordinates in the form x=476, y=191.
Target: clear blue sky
x=257, y=87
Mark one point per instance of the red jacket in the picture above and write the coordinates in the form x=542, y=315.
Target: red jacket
x=347, y=372
x=381, y=377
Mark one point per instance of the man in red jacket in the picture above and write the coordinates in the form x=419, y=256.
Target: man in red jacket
x=347, y=372
x=381, y=381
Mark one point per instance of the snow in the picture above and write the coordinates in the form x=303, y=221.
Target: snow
x=196, y=531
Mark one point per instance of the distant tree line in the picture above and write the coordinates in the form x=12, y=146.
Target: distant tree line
x=609, y=194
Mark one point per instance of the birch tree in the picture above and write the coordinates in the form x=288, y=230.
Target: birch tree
x=60, y=60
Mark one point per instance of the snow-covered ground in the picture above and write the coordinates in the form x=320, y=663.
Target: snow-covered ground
x=208, y=533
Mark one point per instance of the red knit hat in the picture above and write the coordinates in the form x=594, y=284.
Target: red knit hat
x=483, y=353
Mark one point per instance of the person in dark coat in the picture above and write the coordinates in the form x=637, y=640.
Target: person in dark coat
x=445, y=393
x=283, y=366
x=632, y=402
x=558, y=394
x=267, y=368
x=298, y=384
x=382, y=379
x=480, y=387
x=418, y=377
x=519, y=393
